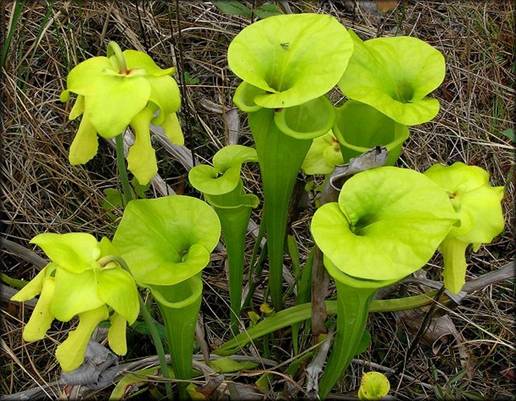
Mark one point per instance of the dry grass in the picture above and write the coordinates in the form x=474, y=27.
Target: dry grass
x=42, y=192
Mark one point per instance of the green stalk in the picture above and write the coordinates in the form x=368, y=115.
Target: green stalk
x=122, y=169
x=12, y=282
x=352, y=311
x=300, y=313
x=293, y=252
x=234, y=223
x=280, y=158
x=113, y=49
x=153, y=330
x=303, y=282
x=179, y=305
x=256, y=268
x=234, y=210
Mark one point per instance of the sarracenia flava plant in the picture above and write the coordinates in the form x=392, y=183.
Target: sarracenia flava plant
x=222, y=187
x=387, y=224
x=166, y=243
x=387, y=82
x=123, y=89
x=85, y=280
x=283, y=91
x=394, y=75
x=478, y=206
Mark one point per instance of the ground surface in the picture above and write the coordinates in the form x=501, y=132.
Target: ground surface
x=42, y=192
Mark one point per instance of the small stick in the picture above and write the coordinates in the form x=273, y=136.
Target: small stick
x=315, y=368
x=320, y=282
x=24, y=253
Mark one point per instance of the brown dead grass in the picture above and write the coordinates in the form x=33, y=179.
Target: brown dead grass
x=42, y=192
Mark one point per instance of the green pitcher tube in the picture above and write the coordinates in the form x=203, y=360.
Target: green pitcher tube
x=179, y=306
x=359, y=127
x=352, y=304
x=166, y=243
x=282, y=90
x=234, y=211
x=223, y=188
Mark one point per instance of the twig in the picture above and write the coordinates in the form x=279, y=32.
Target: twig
x=286, y=6
x=505, y=272
x=201, y=338
x=22, y=252
x=7, y=292
x=315, y=368
x=122, y=169
x=109, y=376
x=41, y=388
x=320, y=282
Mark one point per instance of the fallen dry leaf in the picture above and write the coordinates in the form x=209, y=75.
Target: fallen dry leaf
x=384, y=6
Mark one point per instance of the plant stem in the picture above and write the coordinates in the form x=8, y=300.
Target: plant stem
x=254, y=274
x=149, y=321
x=303, y=294
x=127, y=194
x=252, y=265
x=114, y=50
x=352, y=311
x=234, y=227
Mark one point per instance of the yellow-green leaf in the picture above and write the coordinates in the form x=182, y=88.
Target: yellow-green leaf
x=228, y=365
x=387, y=224
x=167, y=240
x=394, y=75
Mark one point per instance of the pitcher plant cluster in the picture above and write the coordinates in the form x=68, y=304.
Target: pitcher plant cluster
x=386, y=224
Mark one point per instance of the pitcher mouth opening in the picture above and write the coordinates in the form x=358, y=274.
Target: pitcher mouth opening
x=363, y=222
x=404, y=92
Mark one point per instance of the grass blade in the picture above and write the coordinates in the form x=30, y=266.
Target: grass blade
x=13, y=22
x=299, y=313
